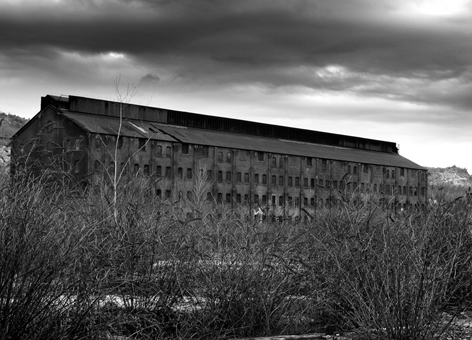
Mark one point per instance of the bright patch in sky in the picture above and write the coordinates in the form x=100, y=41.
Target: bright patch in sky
x=441, y=7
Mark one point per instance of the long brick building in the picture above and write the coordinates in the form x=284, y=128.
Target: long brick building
x=249, y=164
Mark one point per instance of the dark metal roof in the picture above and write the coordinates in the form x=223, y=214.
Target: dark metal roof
x=107, y=125
x=286, y=147
x=143, y=129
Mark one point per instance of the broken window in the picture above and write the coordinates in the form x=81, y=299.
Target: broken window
x=168, y=151
x=274, y=162
x=159, y=170
x=305, y=182
x=220, y=176
x=256, y=178
x=246, y=177
x=185, y=149
x=189, y=173
x=168, y=172
x=297, y=181
x=228, y=176
x=260, y=156
x=205, y=152
x=142, y=144
x=229, y=157
x=264, y=179
x=159, y=151
x=180, y=173
x=281, y=180
x=290, y=181
x=146, y=169
x=220, y=157
x=274, y=180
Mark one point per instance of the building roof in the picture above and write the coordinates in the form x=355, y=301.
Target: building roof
x=172, y=133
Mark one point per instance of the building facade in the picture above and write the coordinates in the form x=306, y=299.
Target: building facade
x=286, y=170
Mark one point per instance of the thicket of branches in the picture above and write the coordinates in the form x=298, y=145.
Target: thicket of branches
x=80, y=265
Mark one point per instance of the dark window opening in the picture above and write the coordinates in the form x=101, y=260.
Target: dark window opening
x=159, y=151
x=168, y=172
x=168, y=151
x=142, y=144
x=185, y=149
x=146, y=169
x=264, y=179
x=260, y=156
x=189, y=173
x=228, y=176
x=180, y=173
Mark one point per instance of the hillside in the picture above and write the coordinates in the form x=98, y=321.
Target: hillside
x=451, y=176
x=9, y=124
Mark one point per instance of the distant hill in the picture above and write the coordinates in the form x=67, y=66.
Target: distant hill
x=448, y=183
x=9, y=125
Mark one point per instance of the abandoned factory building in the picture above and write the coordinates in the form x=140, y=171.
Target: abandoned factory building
x=248, y=163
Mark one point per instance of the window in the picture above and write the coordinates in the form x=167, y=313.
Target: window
x=324, y=163
x=416, y=191
x=274, y=200
x=209, y=174
x=185, y=149
x=146, y=169
x=341, y=185
x=228, y=198
x=229, y=157
x=328, y=184
x=220, y=176
x=167, y=194
x=205, y=152
x=423, y=191
x=281, y=162
x=209, y=196
x=256, y=178
x=136, y=168
x=120, y=142
x=228, y=176
x=97, y=165
x=297, y=181
x=220, y=157
x=274, y=162
x=281, y=200
x=238, y=177
x=264, y=199
x=159, y=193
x=260, y=156
x=168, y=172
x=264, y=179
x=393, y=173
x=312, y=201
x=402, y=172
x=380, y=187
x=246, y=177
x=404, y=190
x=362, y=187
x=365, y=168
x=349, y=169
x=411, y=190
x=320, y=182
x=246, y=198
x=256, y=199
x=220, y=197
x=335, y=184
x=281, y=180
x=375, y=187
x=274, y=180
x=159, y=151
x=97, y=142
x=297, y=201
x=290, y=201
x=142, y=144
x=168, y=152
x=312, y=182
x=305, y=182
x=305, y=201
x=309, y=161
x=238, y=198
x=387, y=189
x=290, y=181
x=180, y=172
x=355, y=169
x=189, y=173
x=399, y=189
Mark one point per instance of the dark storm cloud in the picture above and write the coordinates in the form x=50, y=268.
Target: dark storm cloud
x=273, y=43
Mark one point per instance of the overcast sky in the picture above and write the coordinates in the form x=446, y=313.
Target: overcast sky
x=395, y=70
